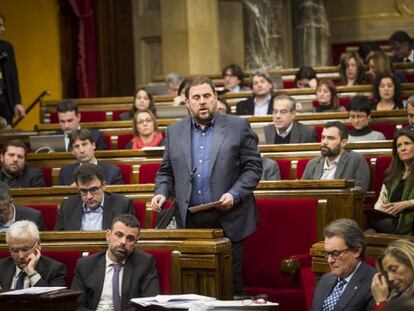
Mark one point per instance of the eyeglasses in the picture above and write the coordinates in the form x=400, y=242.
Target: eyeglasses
x=357, y=117
x=335, y=254
x=24, y=250
x=259, y=299
x=92, y=191
x=282, y=112
x=144, y=121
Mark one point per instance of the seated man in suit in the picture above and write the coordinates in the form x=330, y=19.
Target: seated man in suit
x=410, y=113
x=261, y=103
x=26, y=266
x=83, y=148
x=233, y=77
x=93, y=208
x=10, y=213
x=14, y=170
x=402, y=46
x=285, y=130
x=336, y=162
x=109, y=279
x=348, y=286
x=69, y=120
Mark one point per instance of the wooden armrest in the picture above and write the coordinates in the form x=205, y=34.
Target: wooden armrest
x=290, y=265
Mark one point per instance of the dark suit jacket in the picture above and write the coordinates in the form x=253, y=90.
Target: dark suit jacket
x=300, y=134
x=10, y=76
x=235, y=165
x=69, y=216
x=140, y=279
x=100, y=141
x=246, y=107
x=27, y=213
x=356, y=296
x=52, y=272
x=30, y=177
x=112, y=174
x=351, y=165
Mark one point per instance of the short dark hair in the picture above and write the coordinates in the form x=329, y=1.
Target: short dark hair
x=67, y=105
x=198, y=81
x=261, y=73
x=235, y=71
x=5, y=194
x=14, y=143
x=82, y=134
x=397, y=89
x=87, y=172
x=225, y=103
x=349, y=231
x=343, y=131
x=360, y=103
x=305, y=72
x=365, y=48
x=128, y=220
x=400, y=36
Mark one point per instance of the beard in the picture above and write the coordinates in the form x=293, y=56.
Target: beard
x=328, y=152
x=120, y=253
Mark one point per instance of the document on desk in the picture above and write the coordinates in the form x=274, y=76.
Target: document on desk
x=32, y=291
x=171, y=301
x=238, y=305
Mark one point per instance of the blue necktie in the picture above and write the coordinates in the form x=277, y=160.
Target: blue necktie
x=116, y=300
x=20, y=280
x=331, y=301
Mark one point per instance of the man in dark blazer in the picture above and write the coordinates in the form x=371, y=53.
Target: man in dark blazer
x=211, y=157
x=10, y=100
x=336, y=162
x=10, y=213
x=350, y=278
x=95, y=275
x=285, y=130
x=261, y=102
x=14, y=170
x=83, y=148
x=26, y=266
x=93, y=208
x=69, y=120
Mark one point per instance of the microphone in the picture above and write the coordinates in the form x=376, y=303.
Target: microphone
x=171, y=210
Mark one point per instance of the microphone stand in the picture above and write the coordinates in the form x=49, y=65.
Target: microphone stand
x=171, y=211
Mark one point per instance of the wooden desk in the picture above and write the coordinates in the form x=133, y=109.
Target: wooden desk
x=62, y=300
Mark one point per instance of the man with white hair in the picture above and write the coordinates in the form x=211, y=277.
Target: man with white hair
x=26, y=266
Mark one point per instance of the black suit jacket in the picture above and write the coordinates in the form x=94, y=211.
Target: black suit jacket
x=112, y=174
x=69, y=216
x=10, y=76
x=52, y=272
x=246, y=107
x=30, y=177
x=300, y=134
x=27, y=213
x=140, y=279
x=356, y=296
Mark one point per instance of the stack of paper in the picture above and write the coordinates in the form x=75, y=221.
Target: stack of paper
x=31, y=291
x=171, y=301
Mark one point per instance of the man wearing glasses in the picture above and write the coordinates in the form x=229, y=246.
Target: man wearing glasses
x=348, y=286
x=93, y=208
x=26, y=266
x=10, y=213
x=285, y=130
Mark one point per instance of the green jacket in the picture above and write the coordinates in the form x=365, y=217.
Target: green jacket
x=406, y=217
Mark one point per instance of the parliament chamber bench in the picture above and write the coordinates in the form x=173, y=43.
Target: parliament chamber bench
x=109, y=108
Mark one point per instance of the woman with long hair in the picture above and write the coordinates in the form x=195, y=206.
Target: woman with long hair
x=351, y=69
x=387, y=93
x=142, y=100
x=327, y=97
x=146, y=133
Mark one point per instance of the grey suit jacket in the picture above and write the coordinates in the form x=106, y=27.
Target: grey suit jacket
x=69, y=217
x=112, y=174
x=140, y=279
x=300, y=134
x=356, y=296
x=351, y=165
x=52, y=272
x=27, y=213
x=236, y=165
x=271, y=170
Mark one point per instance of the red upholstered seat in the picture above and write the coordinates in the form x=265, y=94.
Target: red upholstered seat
x=108, y=141
x=68, y=257
x=163, y=262
x=284, y=167
x=49, y=213
x=86, y=116
x=47, y=172
x=344, y=101
x=140, y=207
x=117, y=113
x=387, y=129
x=123, y=140
x=126, y=172
x=300, y=167
x=381, y=166
x=289, y=84
x=409, y=76
x=147, y=172
x=287, y=227
x=318, y=129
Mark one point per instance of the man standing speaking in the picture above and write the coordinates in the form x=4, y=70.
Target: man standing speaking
x=222, y=151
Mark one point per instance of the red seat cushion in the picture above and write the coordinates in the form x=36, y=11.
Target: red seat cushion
x=126, y=172
x=387, y=129
x=300, y=167
x=123, y=140
x=163, y=262
x=49, y=213
x=148, y=172
x=289, y=84
x=381, y=165
x=86, y=116
x=140, y=208
x=47, y=172
x=68, y=257
x=284, y=167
